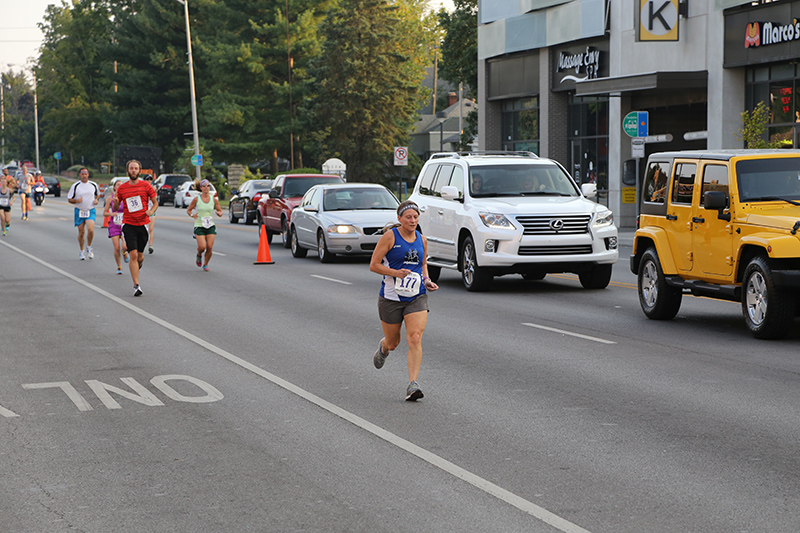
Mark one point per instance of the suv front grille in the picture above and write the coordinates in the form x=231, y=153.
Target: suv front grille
x=373, y=231
x=577, y=249
x=554, y=224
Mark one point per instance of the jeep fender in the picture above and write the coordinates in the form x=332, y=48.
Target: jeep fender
x=653, y=236
x=777, y=247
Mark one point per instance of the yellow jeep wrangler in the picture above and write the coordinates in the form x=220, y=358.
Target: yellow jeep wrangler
x=721, y=224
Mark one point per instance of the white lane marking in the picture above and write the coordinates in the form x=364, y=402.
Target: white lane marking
x=331, y=279
x=570, y=333
x=486, y=486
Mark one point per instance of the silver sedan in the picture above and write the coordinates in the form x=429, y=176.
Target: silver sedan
x=345, y=218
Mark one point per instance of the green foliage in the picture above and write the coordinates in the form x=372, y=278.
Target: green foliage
x=368, y=81
x=459, y=63
x=72, y=81
x=183, y=165
x=19, y=123
x=754, y=127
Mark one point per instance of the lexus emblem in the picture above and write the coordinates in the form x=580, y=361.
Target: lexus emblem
x=557, y=224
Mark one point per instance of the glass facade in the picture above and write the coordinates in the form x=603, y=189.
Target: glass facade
x=779, y=86
x=520, y=124
x=588, y=137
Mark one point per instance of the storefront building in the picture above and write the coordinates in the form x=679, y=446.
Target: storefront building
x=559, y=78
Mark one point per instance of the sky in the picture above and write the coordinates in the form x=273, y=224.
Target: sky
x=20, y=36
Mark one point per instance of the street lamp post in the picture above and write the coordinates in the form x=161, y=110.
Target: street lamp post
x=191, y=85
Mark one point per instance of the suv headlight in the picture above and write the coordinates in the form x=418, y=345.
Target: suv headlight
x=341, y=229
x=493, y=221
x=603, y=218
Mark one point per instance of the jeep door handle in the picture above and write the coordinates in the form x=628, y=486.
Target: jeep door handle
x=672, y=217
x=423, y=208
x=441, y=212
x=698, y=220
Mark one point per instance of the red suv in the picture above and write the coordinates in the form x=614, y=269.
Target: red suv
x=287, y=191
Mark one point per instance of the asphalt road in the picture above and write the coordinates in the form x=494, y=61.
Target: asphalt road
x=244, y=399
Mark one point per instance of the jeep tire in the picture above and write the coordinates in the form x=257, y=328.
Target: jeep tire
x=768, y=311
x=659, y=301
x=475, y=278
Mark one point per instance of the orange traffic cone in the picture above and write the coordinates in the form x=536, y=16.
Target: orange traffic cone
x=105, y=221
x=263, y=249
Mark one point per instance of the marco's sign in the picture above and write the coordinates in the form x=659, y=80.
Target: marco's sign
x=762, y=35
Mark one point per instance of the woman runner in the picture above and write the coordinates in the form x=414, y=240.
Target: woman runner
x=205, y=230
x=401, y=258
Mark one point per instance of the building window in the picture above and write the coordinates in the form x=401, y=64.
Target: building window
x=587, y=123
x=779, y=87
x=520, y=124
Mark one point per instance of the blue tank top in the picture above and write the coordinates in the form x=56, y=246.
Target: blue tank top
x=407, y=255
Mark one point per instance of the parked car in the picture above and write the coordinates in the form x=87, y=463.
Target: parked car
x=111, y=183
x=244, y=202
x=53, y=186
x=186, y=191
x=722, y=224
x=341, y=219
x=488, y=215
x=274, y=211
x=167, y=184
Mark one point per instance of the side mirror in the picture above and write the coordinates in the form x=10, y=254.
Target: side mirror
x=589, y=189
x=274, y=193
x=311, y=209
x=717, y=200
x=450, y=193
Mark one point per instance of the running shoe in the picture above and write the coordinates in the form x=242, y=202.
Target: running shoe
x=125, y=256
x=150, y=250
x=205, y=268
x=4, y=232
x=8, y=225
x=119, y=272
x=198, y=261
x=379, y=358
x=137, y=290
x=413, y=393
x=82, y=256
x=89, y=252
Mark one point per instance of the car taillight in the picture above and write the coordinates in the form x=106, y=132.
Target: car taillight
x=256, y=198
x=166, y=186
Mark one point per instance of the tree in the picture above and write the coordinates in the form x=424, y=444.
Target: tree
x=459, y=47
x=150, y=97
x=368, y=79
x=19, y=123
x=246, y=108
x=72, y=80
x=754, y=125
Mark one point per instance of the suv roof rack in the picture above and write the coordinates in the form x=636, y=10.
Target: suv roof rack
x=473, y=153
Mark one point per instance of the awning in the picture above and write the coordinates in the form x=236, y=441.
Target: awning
x=643, y=82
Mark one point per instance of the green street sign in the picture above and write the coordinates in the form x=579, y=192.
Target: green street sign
x=57, y=155
x=197, y=160
x=635, y=124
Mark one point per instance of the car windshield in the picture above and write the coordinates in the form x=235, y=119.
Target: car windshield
x=358, y=198
x=176, y=180
x=769, y=179
x=297, y=187
x=520, y=180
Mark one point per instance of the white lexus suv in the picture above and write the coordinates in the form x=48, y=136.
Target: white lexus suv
x=490, y=214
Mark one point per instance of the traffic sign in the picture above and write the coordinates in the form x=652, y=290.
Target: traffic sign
x=637, y=148
x=636, y=124
x=57, y=155
x=401, y=156
x=197, y=160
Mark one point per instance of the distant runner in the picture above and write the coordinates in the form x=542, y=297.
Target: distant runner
x=205, y=230
x=84, y=196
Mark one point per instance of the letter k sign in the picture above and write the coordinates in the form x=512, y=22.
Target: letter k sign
x=658, y=20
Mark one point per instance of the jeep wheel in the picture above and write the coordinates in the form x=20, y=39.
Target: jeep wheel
x=768, y=311
x=475, y=278
x=286, y=237
x=659, y=301
x=297, y=250
x=596, y=278
x=434, y=272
